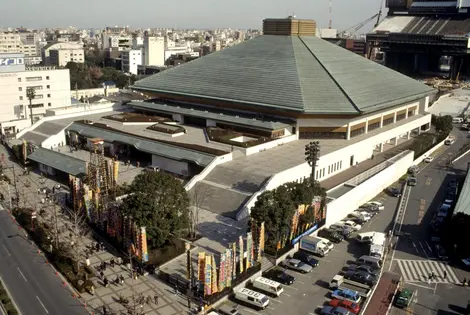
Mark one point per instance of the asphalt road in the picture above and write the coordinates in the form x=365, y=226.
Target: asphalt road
x=310, y=292
x=33, y=285
x=445, y=296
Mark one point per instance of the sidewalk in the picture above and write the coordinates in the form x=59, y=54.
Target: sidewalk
x=168, y=302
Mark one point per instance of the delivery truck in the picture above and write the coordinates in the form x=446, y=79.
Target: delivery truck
x=314, y=245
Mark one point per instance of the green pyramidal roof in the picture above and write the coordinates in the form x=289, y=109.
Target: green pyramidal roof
x=303, y=74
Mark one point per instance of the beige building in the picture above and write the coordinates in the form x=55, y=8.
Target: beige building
x=60, y=57
x=12, y=43
x=154, y=51
x=46, y=50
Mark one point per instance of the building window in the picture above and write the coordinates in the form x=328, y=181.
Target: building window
x=21, y=98
x=37, y=106
x=20, y=89
x=387, y=121
x=49, y=104
x=48, y=95
x=358, y=131
x=19, y=79
x=37, y=87
x=48, y=86
x=373, y=126
x=329, y=168
x=322, y=135
x=316, y=174
x=37, y=97
x=47, y=77
x=411, y=112
x=340, y=164
x=401, y=116
x=30, y=79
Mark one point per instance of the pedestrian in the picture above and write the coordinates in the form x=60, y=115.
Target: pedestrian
x=105, y=282
x=148, y=300
x=430, y=277
x=102, y=275
x=155, y=299
x=101, y=246
x=464, y=283
x=122, y=279
x=105, y=310
x=111, y=262
x=117, y=280
x=445, y=274
x=92, y=290
x=138, y=164
x=87, y=262
x=97, y=246
x=39, y=191
x=433, y=275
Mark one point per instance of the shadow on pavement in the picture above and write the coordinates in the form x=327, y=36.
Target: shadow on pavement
x=458, y=309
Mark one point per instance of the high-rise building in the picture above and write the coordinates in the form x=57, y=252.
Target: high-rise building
x=60, y=57
x=154, y=51
x=51, y=86
x=131, y=59
x=12, y=43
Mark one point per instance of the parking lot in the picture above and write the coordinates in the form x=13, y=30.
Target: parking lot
x=310, y=291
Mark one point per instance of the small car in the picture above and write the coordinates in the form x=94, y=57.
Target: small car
x=429, y=159
x=394, y=192
x=350, y=306
x=329, y=310
x=306, y=258
x=367, y=215
x=365, y=268
x=297, y=265
x=452, y=183
x=449, y=141
x=346, y=294
x=413, y=169
x=280, y=276
x=361, y=277
x=440, y=252
x=353, y=225
x=343, y=229
x=376, y=204
x=412, y=181
x=331, y=235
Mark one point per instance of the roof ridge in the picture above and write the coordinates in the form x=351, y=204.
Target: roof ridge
x=330, y=75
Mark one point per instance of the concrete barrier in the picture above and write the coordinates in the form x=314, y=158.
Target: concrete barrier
x=430, y=151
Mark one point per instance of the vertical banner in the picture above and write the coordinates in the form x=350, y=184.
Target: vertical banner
x=254, y=237
x=234, y=260
x=208, y=276
x=214, y=275
x=187, y=247
x=116, y=171
x=228, y=267
x=242, y=253
x=201, y=267
x=143, y=245
x=222, y=272
x=249, y=249
x=261, y=240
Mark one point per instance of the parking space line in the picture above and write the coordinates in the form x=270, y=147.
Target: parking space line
x=283, y=293
x=249, y=311
x=289, y=287
x=276, y=300
x=300, y=282
x=271, y=308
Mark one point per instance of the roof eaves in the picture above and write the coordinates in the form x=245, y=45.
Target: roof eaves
x=402, y=100
x=331, y=76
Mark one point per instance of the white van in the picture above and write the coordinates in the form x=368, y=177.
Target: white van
x=365, y=237
x=457, y=120
x=253, y=298
x=268, y=286
x=327, y=243
x=371, y=261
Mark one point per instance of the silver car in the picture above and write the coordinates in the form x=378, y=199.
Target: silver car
x=297, y=265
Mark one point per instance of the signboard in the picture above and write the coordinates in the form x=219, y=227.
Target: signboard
x=208, y=276
x=249, y=249
x=242, y=253
x=11, y=61
x=308, y=232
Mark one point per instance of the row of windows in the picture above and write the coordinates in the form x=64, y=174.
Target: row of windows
x=373, y=126
x=322, y=135
x=36, y=87
x=357, y=132
x=30, y=79
x=39, y=96
x=331, y=169
x=401, y=116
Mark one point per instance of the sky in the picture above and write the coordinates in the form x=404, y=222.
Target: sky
x=201, y=14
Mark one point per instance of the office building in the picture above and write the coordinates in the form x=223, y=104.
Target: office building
x=131, y=59
x=154, y=51
x=60, y=57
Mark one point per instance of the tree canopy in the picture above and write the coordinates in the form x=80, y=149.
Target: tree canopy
x=443, y=124
x=159, y=202
x=277, y=207
x=87, y=76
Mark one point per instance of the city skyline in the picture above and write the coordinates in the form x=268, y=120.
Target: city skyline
x=243, y=15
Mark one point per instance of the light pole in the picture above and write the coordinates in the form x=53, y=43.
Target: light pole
x=312, y=152
x=30, y=94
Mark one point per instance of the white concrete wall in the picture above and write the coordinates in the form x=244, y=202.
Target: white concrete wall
x=425, y=155
x=270, y=144
x=216, y=161
x=177, y=167
x=93, y=92
x=341, y=207
x=55, y=140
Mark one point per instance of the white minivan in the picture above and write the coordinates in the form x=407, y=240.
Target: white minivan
x=253, y=298
x=457, y=120
x=267, y=285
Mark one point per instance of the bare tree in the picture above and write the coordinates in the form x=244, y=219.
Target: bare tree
x=198, y=196
x=78, y=232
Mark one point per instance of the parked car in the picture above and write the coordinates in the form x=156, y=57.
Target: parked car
x=366, y=268
x=228, y=310
x=297, y=265
x=306, y=258
x=394, y=192
x=466, y=263
x=332, y=235
x=329, y=310
x=452, y=183
x=350, y=306
x=345, y=230
x=355, y=220
x=429, y=159
x=361, y=277
x=376, y=204
x=353, y=225
x=366, y=214
x=440, y=252
x=449, y=141
x=413, y=169
x=280, y=276
x=357, y=215
x=412, y=181
x=346, y=294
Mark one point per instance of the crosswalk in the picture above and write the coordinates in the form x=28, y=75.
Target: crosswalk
x=419, y=271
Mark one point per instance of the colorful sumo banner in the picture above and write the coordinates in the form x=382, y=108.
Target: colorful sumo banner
x=242, y=253
x=249, y=249
x=208, y=276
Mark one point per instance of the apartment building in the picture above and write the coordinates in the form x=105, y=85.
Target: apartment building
x=24, y=43
x=154, y=51
x=65, y=46
x=60, y=57
x=131, y=59
x=51, y=86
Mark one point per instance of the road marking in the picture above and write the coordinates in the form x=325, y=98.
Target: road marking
x=284, y=293
x=422, y=247
x=42, y=304
x=300, y=282
x=419, y=285
x=287, y=286
x=428, y=181
x=276, y=300
x=271, y=308
x=6, y=250
x=422, y=205
x=22, y=274
x=419, y=270
x=416, y=248
x=401, y=224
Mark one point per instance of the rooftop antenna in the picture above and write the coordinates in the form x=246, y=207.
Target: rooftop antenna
x=331, y=5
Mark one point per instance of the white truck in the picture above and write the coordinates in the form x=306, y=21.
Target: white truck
x=339, y=282
x=314, y=245
x=377, y=246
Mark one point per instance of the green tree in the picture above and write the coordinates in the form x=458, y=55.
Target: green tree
x=423, y=143
x=159, y=202
x=443, y=124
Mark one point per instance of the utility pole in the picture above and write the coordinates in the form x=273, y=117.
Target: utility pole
x=312, y=153
x=30, y=94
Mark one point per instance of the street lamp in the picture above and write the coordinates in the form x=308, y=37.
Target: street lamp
x=312, y=152
x=30, y=94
